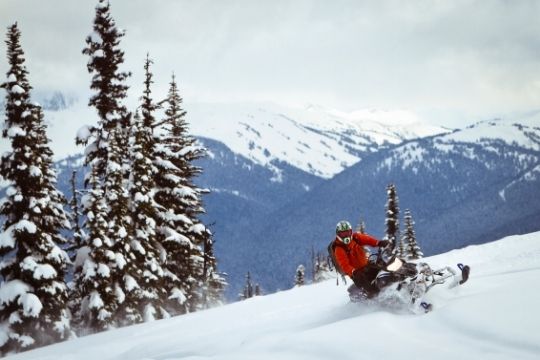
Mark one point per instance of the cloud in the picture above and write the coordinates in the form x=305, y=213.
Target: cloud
x=469, y=57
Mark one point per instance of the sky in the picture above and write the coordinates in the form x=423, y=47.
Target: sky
x=451, y=62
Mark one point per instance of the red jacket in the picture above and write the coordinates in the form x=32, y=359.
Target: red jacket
x=353, y=256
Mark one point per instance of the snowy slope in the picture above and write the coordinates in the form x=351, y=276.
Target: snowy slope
x=494, y=316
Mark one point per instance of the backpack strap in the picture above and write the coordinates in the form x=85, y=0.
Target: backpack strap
x=336, y=243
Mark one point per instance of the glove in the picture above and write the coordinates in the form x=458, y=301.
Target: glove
x=383, y=243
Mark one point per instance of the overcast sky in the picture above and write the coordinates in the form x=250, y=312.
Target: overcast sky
x=449, y=61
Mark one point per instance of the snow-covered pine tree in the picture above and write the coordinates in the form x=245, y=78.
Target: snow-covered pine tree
x=144, y=210
x=75, y=215
x=33, y=294
x=392, y=216
x=107, y=281
x=215, y=283
x=248, y=291
x=258, y=291
x=322, y=268
x=108, y=81
x=401, y=247
x=299, y=277
x=412, y=249
x=182, y=233
x=361, y=228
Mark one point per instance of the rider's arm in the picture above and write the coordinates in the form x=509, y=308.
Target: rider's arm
x=343, y=260
x=365, y=239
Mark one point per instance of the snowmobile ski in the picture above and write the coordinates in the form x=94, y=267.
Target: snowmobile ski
x=426, y=306
x=465, y=271
x=409, y=282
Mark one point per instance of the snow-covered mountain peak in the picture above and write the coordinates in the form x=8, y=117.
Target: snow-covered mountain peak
x=523, y=132
x=509, y=146
x=319, y=141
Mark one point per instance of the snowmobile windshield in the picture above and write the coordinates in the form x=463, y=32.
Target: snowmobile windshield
x=394, y=265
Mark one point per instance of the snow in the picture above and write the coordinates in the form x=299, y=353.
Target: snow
x=122, y=232
x=178, y=295
x=313, y=139
x=25, y=225
x=14, y=131
x=84, y=133
x=95, y=301
x=10, y=290
x=99, y=53
x=493, y=316
x=6, y=238
x=35, y=171
x=120, y=261
x=130, y=283
x=102, y=5
x=39, y=271
x=489, y=134
x=17, y=89
x=505, y=130
x=11, y=78
x=103, y=270
x=140, y=197
x=31, y=305
x=171, y=235
x=197, y=228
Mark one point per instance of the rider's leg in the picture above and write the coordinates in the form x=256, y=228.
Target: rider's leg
x=364, y=280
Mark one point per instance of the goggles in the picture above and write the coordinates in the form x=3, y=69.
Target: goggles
x=345, y=236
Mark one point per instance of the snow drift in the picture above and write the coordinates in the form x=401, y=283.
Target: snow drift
x=493, y=316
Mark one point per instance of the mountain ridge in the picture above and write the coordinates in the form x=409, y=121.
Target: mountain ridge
x=453, y=194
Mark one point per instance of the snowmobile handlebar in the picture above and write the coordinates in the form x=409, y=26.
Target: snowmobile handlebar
x=378, y=260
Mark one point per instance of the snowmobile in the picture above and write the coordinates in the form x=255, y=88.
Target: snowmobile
x=406, y=282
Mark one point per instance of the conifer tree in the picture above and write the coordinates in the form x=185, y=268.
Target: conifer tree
x=95, y=296
x=258, y=291
x=401, y=248
x=109, y=83
x=361, y=228
x=215, y=282
x=392, y=216
x=299, y=278
x=181, y=232
x=248, y=291
x=75, y=215
x=107, y=283
x=412, y=249
x=33, y=294
x=322, y=268
x=144, y=210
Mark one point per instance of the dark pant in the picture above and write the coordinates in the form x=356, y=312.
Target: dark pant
x=363, y=279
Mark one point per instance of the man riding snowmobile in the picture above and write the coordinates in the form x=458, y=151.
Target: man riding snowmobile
x=385, y=270
x=351, y=259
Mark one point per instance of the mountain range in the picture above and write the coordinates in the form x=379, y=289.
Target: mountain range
x=464, y=187
x=281, y=178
